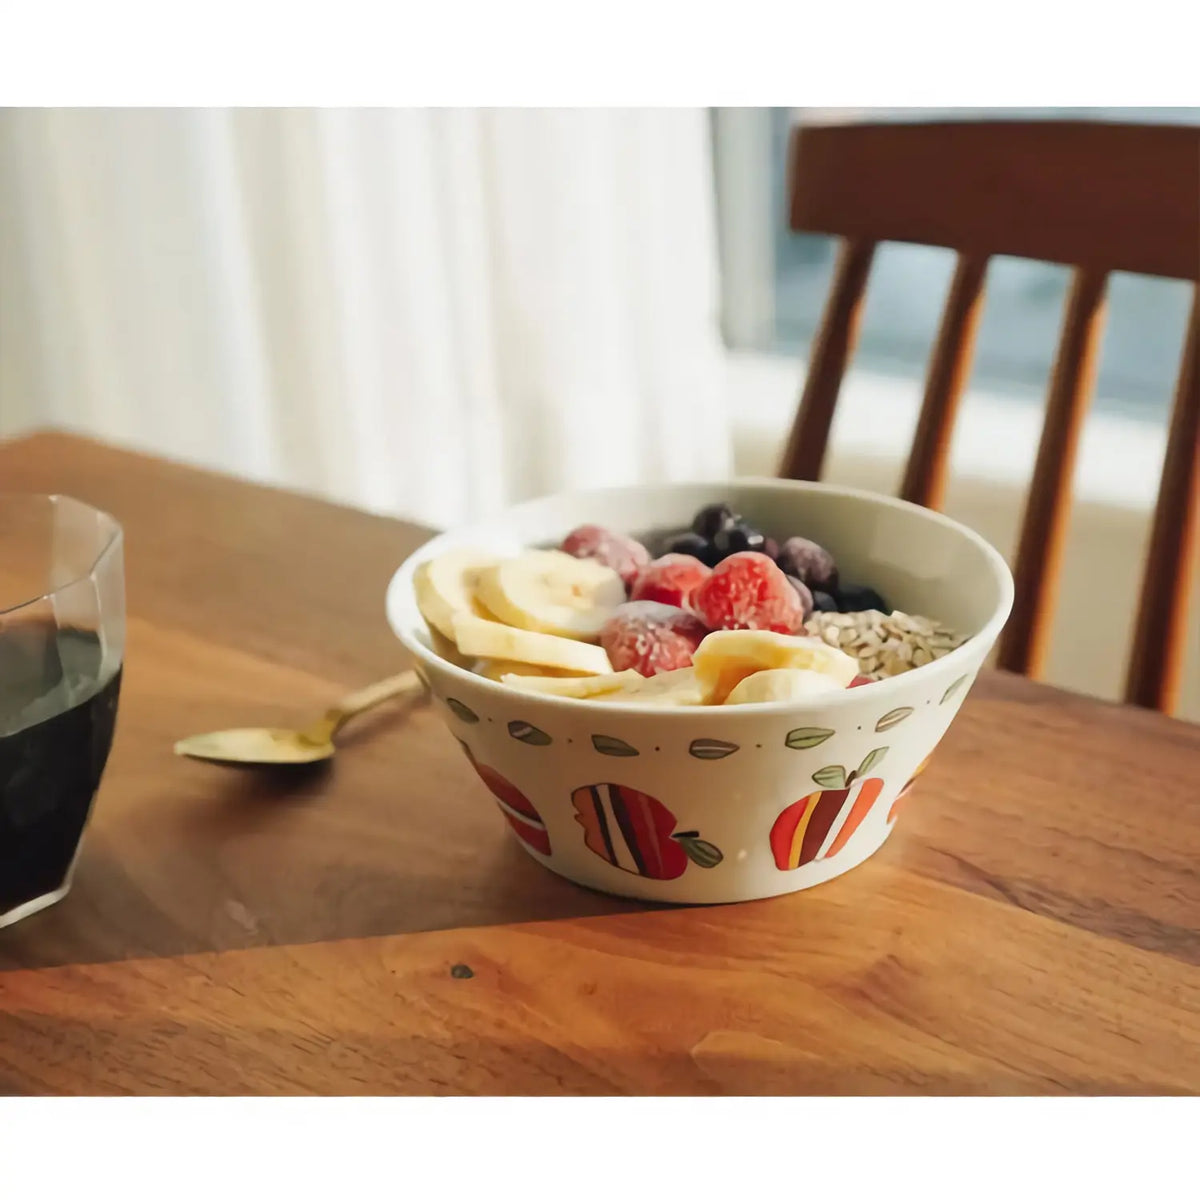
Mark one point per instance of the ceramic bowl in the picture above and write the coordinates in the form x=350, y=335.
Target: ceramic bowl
x=718, y=804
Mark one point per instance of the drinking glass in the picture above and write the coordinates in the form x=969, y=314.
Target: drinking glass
x=62, y=645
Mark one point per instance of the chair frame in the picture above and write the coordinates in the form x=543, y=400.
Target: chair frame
x=1096, y=196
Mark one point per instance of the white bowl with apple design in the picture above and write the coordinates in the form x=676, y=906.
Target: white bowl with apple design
x=722, y=803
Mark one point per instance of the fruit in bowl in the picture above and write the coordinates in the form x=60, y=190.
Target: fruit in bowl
x=650, y=616
x=688, y=700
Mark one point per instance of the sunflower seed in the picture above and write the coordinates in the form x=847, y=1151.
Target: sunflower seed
x=885, y=644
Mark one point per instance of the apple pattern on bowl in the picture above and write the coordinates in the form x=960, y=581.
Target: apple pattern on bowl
x=818, y=825
x=893, y=812
x=635, y=832
x=518, y=809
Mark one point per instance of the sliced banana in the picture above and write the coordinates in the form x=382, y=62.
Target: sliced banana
x=781, y=683
x=728, y=656
x=446, y=649
x=547, y=591
x=446, y=585
x=497, y=668
x=593, y=688
x=481, y=638
x=670, y=689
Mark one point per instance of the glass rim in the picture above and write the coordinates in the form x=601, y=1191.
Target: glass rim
x=114, y=537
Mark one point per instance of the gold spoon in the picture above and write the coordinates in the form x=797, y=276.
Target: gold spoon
x=307, y=745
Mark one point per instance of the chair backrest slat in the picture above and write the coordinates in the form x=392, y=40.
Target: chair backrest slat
x=1097, y=196
x=1044, y=527
x=833, y=347
x=949, y=369
x=1160, y=634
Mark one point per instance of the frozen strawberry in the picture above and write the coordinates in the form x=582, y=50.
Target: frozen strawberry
x=624, y=555
x=651, y=638
x=672, y=579
x=748, y=591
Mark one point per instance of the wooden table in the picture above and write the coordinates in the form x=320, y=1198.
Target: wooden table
x=1033, y=926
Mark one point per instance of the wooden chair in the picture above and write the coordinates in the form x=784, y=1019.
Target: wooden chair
x=1098, y=197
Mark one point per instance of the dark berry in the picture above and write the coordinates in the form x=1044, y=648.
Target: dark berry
x=770, y=547
x=695, y=545
x=855, y=597
x=806, y=597
x=711, y=519
x=809, y=562
x=736, y=538
x=824, y=602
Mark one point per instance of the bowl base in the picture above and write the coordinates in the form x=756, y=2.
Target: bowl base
x=698, y=887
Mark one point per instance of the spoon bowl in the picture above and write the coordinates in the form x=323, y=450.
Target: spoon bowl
x=265, y=746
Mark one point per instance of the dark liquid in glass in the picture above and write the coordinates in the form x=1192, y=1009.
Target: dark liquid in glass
x=57, y=714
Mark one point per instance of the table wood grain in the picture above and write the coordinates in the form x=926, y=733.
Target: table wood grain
x=1032, y=927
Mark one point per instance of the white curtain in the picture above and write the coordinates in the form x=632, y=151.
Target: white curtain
x=430, y=312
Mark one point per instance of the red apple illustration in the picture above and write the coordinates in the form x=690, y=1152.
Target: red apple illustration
x=802, y=829
x=634, y=832
x=893, y=811
x=518, y=811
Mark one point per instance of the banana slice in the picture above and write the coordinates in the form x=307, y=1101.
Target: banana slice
x=670, y=689
x=593, y=688
x=781, y=683
x=498, y=668
x=728, y=656
x=445, y=648
x=480, y=638
x=547, y=591
x=445, y=586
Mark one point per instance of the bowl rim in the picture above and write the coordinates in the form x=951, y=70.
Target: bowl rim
x=459, y=535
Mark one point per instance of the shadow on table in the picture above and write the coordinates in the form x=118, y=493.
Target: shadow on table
x=227, y=858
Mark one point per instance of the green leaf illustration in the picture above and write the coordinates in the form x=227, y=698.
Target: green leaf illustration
x=711, y=748
x=807, y=738
x=953, y=688
x=831, y=777
x=531, y=735
x=703, y=854
x=871, y=761
x=461, y=711
x=890, y=720
x=614, y=746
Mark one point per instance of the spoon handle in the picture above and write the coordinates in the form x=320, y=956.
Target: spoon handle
x=374, y=694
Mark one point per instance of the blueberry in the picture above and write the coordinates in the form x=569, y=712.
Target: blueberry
x=770, y=547
x=695, y=545
x=824, y=602
x=735, y=538
x=807, y=599
x=809, y=562
x=710, y=520
x=856, y=597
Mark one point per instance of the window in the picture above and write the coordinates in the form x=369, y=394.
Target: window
x=775, y=282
